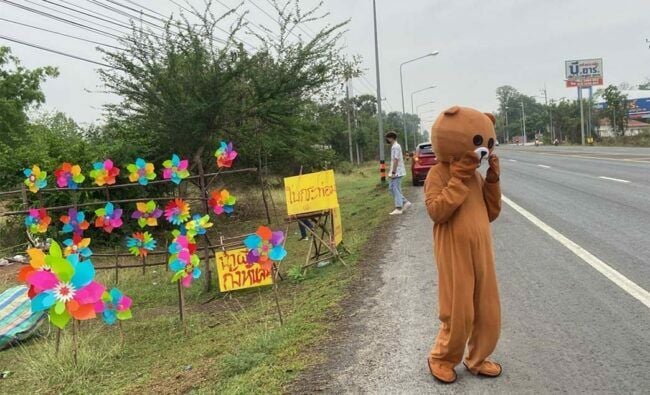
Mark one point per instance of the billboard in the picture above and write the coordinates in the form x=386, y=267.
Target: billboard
x=637, y=108
x=583, y=73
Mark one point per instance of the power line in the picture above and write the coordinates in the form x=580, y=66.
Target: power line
x=15, y=40
x=67, y=14
x=140, y=11
x=62, y=34
x=143, y=7
x=271, y=16
x=297, y=25
x=111, y=20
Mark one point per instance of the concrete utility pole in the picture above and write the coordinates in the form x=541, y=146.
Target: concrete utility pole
x=582, y=116
x=349, y=104
x=380, y=125
x=523, y=121
x=550, y=114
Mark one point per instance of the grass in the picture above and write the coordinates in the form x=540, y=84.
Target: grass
x=234, y=344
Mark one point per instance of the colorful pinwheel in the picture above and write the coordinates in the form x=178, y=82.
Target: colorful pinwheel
x=75, y=222
x=37, y=221
x=113, y=306
x=141, y=171
x=36, y=179
x=139, y=244
x=147, y=214
x=225, y=154
x=175, y=169
x=183, y=261
x=68, y=176
x=77, y=245
x=264, y=247
x=108, y=218
x=198, y=225
x=177, y=211
x=222, y=202
x=104, y=173
x=68, y=290
x=36, y=264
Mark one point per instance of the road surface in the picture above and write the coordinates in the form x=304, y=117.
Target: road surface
x=567, y=327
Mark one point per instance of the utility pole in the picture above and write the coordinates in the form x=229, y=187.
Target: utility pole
x=523, y=121
x=507, y=136
x=349, y=104
x=380, y=125
x=550, y=113
x=582, y=116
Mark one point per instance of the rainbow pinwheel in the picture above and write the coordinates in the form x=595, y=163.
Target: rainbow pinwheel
x=225, y=154
x=68, y=176
x=113, y=306
x=36, y=179
x=36, y=264
x=108, y=218
x=104, y=173
x=37, y=221
x=147, y=214
x=177, y=211
x=198, y=225
x=141, y=171
x=77, y=245
x=183, y=261
x=222, y=202
x=139, y=244
x=75, y=222
x=175, y=169
x=264, y=247
x=68, y=290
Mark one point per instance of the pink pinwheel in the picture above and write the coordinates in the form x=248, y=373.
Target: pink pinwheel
x=175, y=169
x=114, y=305
x=104, y=173
x=75, y=222
x=222, y=202
x=177, y=211
x=68, y=290
x=225, y=154
x=183, y=261
x=38, y=221
x=68, y=176
x=264, y=247
x=108, y=218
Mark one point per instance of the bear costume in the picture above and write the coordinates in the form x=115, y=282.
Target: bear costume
x=462, y=204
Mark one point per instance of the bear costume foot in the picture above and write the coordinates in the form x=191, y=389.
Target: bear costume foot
x=440, y=372
x=488, y=369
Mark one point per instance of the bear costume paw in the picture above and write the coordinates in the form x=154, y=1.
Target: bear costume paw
x=487, y=369
x=440, y=372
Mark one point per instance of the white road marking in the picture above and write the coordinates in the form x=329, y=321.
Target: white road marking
x=612, y=274
x=512, y=160
x=614, y=179
x=544, y=166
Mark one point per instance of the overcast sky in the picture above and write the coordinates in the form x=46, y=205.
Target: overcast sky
x=483, y=44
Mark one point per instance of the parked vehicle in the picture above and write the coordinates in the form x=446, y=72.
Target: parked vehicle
x=423, y=159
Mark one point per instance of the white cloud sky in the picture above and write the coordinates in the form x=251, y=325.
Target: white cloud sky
x=483, y=44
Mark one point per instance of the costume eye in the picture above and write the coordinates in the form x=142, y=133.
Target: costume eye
x=478, y=140
x=490, y=143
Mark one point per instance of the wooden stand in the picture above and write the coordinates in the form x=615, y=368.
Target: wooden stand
x=322, y=246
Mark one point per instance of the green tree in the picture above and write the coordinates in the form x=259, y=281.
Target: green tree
x=616, y=109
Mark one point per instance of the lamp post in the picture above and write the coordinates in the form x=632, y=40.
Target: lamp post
x=380, y=125
x=401, y=83
x=424, y=112
x=415, y=132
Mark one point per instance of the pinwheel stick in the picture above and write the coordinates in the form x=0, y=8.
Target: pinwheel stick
x=74, y=342
x=181, y=305
x=144, y=263
x=58, y=341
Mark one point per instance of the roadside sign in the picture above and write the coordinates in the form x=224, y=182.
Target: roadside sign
x=583, y=73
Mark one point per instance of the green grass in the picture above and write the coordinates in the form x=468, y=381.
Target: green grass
x=233, y=345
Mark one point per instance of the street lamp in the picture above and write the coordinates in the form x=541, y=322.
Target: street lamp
x=401, y=83
x=413, y=110
x=424, y=112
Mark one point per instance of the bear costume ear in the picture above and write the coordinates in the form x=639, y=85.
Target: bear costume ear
x=452, y=110
x=491, y=116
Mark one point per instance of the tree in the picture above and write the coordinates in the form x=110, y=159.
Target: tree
x=20, y=91
x=616, y=109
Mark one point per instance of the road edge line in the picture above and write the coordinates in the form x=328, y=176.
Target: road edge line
x=612, y=274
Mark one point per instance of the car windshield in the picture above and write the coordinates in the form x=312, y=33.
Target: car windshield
x=425, y=149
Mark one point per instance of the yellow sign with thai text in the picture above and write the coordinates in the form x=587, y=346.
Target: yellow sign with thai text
x=234, y=273
x=307, y=193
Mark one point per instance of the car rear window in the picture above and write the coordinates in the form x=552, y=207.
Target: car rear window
x=425, y=149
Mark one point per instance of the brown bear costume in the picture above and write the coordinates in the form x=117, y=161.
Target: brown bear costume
x=462, y=204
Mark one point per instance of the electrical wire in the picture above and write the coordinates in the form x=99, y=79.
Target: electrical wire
x=298, y=26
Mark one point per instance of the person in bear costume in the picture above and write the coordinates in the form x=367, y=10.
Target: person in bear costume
x=462, y=204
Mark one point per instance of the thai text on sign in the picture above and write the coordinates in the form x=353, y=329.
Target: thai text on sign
x=310, y=192
x=234, y=273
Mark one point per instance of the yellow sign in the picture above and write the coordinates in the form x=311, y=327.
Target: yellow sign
x=234, y=273
x=310, y=192
x=337, y=226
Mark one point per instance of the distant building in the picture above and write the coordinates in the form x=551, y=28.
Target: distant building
x=634, y=128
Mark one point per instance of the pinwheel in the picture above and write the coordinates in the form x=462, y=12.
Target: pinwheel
x=37, y=221
x=77, y=245
x=36, y=179
x=183, y=261
x=147, y=214
x=75, y=222
x=104, y=173
x=141, y=171
x=36, y=264
x=225, y=154
x=113, y=306
x=264, y=247
x=108, y=218
x=139, y=244
x=175, y=169
x=177, y=211
x=67, y=290
x=68, y=176
x=222, y=202
x=198, y=225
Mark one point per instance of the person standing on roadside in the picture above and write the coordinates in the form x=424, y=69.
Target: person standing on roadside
x=396, y=172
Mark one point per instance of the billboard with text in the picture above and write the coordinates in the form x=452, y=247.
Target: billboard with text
x=583, y=72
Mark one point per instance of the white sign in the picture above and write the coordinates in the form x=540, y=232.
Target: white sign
x=584, y=72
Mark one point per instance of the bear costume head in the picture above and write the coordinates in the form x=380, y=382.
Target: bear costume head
x=461, y=129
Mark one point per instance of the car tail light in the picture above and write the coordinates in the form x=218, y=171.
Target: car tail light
x=416, y=159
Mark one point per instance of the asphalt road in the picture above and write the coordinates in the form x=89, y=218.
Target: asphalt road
x=567, y=328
